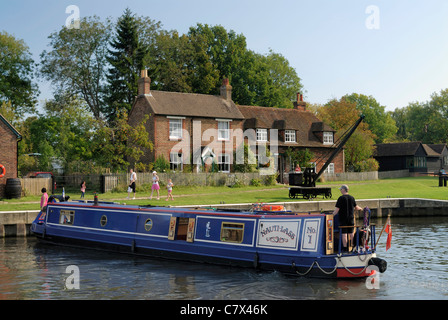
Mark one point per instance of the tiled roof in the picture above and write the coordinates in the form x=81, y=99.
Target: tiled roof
x=191, y=105
x=403, y=149
x=303, y=122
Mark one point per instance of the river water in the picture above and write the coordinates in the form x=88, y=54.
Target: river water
x=417, y=269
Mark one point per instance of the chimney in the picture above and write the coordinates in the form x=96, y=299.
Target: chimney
x=144, y=83
x=226, y=90
x=300, y=104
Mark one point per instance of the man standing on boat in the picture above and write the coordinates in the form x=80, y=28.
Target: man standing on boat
x=345, y=206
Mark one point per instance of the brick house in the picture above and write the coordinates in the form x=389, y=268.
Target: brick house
x=297, y=129
x=203, y=130
x=8, y=152
x=188, y=128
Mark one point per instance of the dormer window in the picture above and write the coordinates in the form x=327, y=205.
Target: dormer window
x=262, y=134
x=328, y=138
x=290, y=136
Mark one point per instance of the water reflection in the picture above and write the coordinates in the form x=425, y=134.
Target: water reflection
x=417, y=269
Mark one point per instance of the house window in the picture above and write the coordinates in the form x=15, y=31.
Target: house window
x=262, y=134
x=232, y=232
x=290, y=136
x=415, y=162
x=330, y=168
x=176, y=163
x=223, y=130
x=175, y=129
x=328, y=137
x=224, y=163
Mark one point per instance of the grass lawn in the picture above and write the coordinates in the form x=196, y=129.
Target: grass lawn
x=420, y=187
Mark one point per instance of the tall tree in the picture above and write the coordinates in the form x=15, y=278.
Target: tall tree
x=424, y=121
x=126, y=60
x=115, y=146
x=340, y=115
x=380, y=122
x=76, y=61
x=16, y=75
x=266, y=80
x=169, y=62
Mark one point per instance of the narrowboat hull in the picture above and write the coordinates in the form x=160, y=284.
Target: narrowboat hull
x=291, y=243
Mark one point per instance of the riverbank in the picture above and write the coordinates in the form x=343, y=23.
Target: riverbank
x=415, y=187
x=17, y=223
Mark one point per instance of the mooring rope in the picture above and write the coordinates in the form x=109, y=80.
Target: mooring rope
x=338, y=259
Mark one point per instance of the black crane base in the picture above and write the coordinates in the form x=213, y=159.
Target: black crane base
x=309, y=192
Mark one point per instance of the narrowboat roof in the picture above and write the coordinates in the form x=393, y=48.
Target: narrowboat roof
x=188, y=211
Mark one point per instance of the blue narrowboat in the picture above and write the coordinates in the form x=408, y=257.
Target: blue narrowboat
x=304, y=244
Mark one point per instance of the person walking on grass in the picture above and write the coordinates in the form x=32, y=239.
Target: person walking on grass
x=132, y=180
x=345, y=207
x=83, y=189
x=169, y=187
x=155, y=185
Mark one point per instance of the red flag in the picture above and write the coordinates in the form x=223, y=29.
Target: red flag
x=388, y=230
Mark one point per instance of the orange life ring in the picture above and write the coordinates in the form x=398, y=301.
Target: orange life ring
x=2, y=171
x=269, y=207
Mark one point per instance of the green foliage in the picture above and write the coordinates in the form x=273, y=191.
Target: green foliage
x=115, y=145
x=126, y=60
x=16, y=75
x=424, y=121
x=271, y=180
x=244, y=159
x=340, y=115
x=77, y=60
x=301, y=157
x=380, y=122
x=161, y=164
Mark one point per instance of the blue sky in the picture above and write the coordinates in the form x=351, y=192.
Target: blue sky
x=402, y=60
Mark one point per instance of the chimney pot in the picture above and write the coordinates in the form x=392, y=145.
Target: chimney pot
x=144, y=83
x=300, y=104
x=226, y=90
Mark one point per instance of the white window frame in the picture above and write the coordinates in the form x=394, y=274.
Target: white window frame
x=328, y=137
x=262, y=134
x=225, y=162
x=176, y=162
x=176, y=128
x=330, y=169
x=223, y=129
x=290, y=136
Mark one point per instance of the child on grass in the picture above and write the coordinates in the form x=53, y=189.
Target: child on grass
x=169, y=187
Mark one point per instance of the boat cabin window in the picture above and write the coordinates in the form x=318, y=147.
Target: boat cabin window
x=67, y=217
x=148, y=225
x=232, y=232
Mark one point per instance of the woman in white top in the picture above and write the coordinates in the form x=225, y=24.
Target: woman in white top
x=155, y=185
x=132, y=180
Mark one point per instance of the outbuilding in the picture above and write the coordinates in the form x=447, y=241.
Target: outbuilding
x=10, y=138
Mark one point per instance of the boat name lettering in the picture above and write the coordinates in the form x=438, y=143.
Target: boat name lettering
x=278, y=228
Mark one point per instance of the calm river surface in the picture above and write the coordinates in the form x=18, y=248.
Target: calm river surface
x=417, y=269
